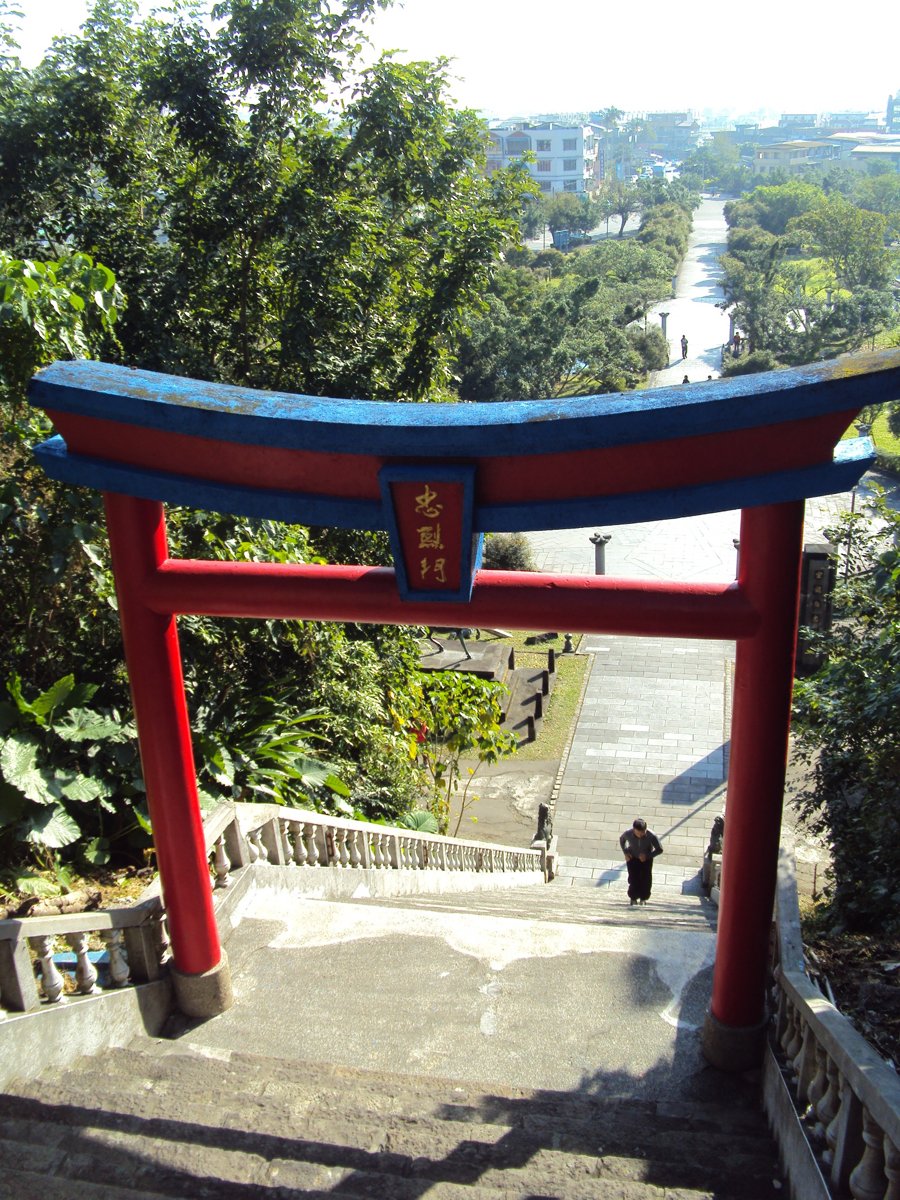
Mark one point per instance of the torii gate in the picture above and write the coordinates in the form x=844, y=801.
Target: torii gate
x=438, y=477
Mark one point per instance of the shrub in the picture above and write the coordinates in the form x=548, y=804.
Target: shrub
x=750, y=364
x=651, y=346
x=508, y=552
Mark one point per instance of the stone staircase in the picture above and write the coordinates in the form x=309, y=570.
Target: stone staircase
x=529, y=687
x=497, y=1045
x=176, y=1123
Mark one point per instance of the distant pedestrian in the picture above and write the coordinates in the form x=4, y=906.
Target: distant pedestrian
x=709, y=377
x=685, y=380
x=736, y=343
x=640, y=846
x=684, y=345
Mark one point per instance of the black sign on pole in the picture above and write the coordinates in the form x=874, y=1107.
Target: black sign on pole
x=817, y=578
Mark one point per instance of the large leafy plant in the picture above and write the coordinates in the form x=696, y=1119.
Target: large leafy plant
x=68, y=773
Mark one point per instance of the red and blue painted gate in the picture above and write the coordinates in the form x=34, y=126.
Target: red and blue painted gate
x=437, y=477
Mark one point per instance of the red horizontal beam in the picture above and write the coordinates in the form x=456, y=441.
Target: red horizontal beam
x=577, y=603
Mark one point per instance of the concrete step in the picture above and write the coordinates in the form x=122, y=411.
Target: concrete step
x=487, y=660
x=190, y=1124
x=567, y=905
x=529, y=695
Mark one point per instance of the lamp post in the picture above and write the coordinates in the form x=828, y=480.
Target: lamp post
x=664, y=316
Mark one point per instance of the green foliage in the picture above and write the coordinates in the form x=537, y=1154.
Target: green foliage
x=257, y=240
x=850, y=239
x=652, y=347
x=420, y=820
x=68, y=773
x=508, y=552
x=846, y=728
x=51, y=309
x=750, y=364
x=260, y=749
x=716, y=165
x=450, y=716
x=574, y=333
x=666, y=228
x=807, y=271
x=773, y=207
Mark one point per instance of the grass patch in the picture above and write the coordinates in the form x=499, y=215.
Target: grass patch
x=554, y=729
x=882, y=436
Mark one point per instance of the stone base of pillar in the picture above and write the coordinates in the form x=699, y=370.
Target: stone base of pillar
x=204, y=995
x=733, y=1047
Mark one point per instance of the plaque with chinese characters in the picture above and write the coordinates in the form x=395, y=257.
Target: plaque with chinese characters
x=429, y=515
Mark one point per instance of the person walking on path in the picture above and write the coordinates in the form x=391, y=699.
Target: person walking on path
x=640, y=846
x=684, y=346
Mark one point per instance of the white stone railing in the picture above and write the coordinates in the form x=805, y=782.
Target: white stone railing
x=242, y=834
x=237, y=835
x=134, y=938
x=848, y=1098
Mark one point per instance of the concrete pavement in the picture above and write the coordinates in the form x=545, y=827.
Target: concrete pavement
x=653, y=732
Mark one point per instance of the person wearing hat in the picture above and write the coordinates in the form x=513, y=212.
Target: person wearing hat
x=640, y=846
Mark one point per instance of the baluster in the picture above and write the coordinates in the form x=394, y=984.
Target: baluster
x=221, y=864
x=833, y=1128
x=287, y=846
x=258, y=851
x=301, y=854
x=51, y=980
x=161, y=937
x=827, y=1108
x=781, y=1014
x=891, y=1169
x=804, y=1062
x=794, y=1036
x=312, y=844
x=355, y=858
x=819, y=1081
x=392, y=852
x=377, y=851
x=867, y=1179
x=85, y=971
x=118, y=963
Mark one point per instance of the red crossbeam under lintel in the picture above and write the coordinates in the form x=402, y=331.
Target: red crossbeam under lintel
x=582, y=603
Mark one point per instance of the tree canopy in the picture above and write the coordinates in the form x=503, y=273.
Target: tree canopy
x=219, y=199
x=846, y=727
x=258, y=239
x=808, y=271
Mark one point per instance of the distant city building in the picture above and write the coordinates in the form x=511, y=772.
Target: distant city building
x=567, y=158
x=858, y=149
x=671, y=134
x=798, y=156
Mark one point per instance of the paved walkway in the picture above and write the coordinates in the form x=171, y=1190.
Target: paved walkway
x=652, y=736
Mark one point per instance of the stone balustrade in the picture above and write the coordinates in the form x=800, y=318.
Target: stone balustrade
x=268, y=833
x=134, y=938
x=847, y=1097
x=237, y=836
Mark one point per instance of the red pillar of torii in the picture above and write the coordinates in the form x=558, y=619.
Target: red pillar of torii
x=145, y=439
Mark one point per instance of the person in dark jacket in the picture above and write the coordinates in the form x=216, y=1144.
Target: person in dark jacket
x=640, y=846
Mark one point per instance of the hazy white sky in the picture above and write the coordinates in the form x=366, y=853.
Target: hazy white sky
x=524, y=56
